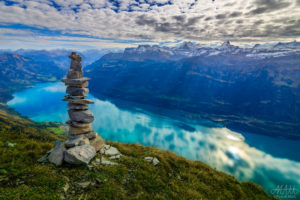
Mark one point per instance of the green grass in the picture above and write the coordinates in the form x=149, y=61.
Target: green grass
x=21, y=177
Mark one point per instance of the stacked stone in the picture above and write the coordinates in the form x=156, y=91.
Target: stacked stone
x=83, y=142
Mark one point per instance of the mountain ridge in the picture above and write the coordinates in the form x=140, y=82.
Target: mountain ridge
x=18, y=72
x=256, y=89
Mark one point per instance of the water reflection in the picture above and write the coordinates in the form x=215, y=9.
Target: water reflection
x=221, y=148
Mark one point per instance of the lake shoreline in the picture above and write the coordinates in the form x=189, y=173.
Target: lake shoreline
x=232, y=122
x=208, y=142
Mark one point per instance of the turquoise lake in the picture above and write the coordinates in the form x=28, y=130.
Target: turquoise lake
x=267, y=161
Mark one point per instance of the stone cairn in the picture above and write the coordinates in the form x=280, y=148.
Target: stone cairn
x=83, y=142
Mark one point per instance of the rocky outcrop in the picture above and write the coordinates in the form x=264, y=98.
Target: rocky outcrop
x=82, y=143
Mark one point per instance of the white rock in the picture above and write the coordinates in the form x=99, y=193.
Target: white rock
x=109, y=151
x=115, y=157
x=153, y=160
x=66, y=187
x=8, y=144
x=107, y=162
x=84, y=184
x=80, y=154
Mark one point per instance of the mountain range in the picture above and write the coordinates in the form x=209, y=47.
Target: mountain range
x=18, y=72
x=59, y=56
x=249, y=89
x=254, y=89
x=189, y=49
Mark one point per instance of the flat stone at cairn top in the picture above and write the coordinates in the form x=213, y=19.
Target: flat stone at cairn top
x=74, y=56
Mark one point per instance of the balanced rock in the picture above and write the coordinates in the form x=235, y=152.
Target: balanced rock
x=57, y=154
x=75, y=91
x=79, y=155
x=76, y=82
x=97, y=142
x=78, y=124
x=72, y=106
x=74, y=57
x=78, y=131
x=81, y=116
x=83, y=142
x=72, y=142
x=79, y=101
x=91, y=135
x=72, y=74
x=74, y=97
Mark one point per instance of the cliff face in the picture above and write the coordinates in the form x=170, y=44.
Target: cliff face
x=21, y=177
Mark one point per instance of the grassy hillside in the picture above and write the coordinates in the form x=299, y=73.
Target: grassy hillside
x=21, y=177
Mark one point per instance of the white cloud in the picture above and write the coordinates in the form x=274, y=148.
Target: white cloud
x=240, y=21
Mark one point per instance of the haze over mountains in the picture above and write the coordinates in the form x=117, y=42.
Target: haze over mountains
x=59, y=56
x=25, y=67
x=18, y=72
x=253, y=89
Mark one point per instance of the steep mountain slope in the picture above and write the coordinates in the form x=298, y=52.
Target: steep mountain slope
x=59, y=56
x=245, y=89
x=17, y=72
x=22, y=177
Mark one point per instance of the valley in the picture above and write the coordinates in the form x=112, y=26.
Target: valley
x=258, y=94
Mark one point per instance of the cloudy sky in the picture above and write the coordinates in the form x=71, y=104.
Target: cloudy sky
x=88, y=24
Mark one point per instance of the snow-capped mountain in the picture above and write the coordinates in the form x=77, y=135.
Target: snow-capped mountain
x=257, y=87
x=189, y=49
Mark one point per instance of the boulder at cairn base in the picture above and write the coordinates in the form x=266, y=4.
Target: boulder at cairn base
x=91, y=135
x=80, y=155
x=57, y=154
x=97, y=142
x=84, y=116
x=72, y=142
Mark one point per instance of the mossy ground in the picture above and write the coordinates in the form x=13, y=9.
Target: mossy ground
x=21, y=177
